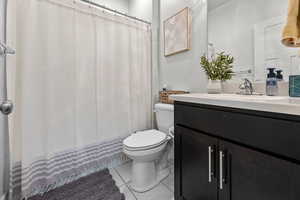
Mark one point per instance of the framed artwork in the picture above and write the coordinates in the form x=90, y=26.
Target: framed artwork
x=177, y=33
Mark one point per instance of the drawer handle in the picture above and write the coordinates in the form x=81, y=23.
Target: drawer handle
x=210, y=171
x=221, y=157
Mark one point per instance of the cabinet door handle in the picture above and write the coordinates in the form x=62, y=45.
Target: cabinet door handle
x=221, y=161
x=210, y=171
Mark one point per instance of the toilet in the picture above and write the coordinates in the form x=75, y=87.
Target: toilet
x=149, y=151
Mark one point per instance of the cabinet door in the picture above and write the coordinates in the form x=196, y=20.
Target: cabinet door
x=251, y=175
x=195, y=165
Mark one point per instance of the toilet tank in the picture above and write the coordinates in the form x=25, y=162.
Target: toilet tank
x=164, y=116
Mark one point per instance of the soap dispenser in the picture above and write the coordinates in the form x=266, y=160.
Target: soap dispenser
x=279, y=75
x=271, y=83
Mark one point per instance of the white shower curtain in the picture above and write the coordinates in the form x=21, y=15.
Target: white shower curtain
x=81, y=82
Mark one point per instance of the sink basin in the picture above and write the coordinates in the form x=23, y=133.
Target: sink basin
x=238, y=97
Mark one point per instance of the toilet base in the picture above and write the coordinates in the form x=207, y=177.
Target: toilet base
x=143, y=182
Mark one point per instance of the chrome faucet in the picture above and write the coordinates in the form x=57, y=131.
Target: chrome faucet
x=246, y=87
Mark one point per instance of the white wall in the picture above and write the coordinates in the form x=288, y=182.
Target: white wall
x=141, y=9
x=182, y=71
x=231, y=27
x=212, y=4
x=120, y=5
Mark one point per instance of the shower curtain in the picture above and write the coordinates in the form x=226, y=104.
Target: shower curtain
x=81, y=82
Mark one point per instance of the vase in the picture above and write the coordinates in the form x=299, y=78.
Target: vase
x=214, y=87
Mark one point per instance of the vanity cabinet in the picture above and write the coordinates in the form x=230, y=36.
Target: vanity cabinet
x=249, y=174
x=197, y=149
x=214, y=160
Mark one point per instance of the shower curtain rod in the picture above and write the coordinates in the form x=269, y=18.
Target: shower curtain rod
x=115, y=11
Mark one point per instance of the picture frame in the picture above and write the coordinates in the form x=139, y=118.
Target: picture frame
x=177, y=33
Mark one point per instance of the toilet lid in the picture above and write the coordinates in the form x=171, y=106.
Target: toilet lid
x=145, y=139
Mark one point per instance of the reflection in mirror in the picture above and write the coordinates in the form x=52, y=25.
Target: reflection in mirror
x=251, y=32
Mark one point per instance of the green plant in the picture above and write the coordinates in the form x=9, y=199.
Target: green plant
x=219, y=68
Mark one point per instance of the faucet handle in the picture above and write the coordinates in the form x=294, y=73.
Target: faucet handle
x=246, y=86
x=246, y=80
x=242, y=86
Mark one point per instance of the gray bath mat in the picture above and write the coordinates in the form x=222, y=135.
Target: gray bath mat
x=97, y=186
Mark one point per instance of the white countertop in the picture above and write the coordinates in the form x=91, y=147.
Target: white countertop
x=278, y=104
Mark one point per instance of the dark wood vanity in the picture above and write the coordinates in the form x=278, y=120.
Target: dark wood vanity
x=224, y=153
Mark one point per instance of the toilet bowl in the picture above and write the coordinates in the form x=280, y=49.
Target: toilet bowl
x=148, y=149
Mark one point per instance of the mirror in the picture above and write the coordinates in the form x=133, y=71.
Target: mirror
x=251, y=32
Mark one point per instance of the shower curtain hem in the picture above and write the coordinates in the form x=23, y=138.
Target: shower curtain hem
x=42, y=182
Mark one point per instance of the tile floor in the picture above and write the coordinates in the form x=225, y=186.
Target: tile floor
x=164, y=191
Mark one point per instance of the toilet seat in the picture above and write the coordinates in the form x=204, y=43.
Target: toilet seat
x=145, y=140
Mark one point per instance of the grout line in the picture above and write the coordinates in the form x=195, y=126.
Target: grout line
x=123, y=183
x=131, y=192
x=165, y=184
x=168, y=188
x=122, y=179
x=126, y=184
x=121, y=176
